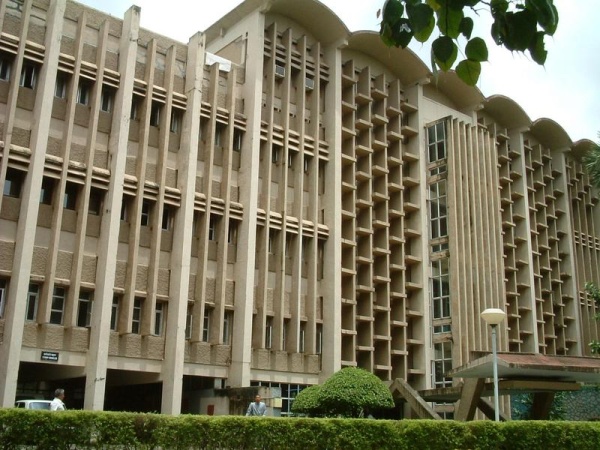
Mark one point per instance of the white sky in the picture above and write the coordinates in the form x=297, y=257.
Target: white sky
x=565, y=89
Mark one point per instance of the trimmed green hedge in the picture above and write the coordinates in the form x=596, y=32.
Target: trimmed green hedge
x=94, y=430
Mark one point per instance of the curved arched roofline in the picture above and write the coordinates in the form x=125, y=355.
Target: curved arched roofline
x=551, y=134
x=403, y=62
x=461, y=94
x=581, y=147
x=312, y=15
x=508, y=112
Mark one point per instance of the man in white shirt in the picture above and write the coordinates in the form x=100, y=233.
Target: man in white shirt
x=57, y=404
x=257, y=408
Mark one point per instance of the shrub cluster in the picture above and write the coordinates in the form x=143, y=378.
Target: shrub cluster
x=102, y=430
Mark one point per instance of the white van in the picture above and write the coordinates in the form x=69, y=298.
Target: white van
x=33, y=404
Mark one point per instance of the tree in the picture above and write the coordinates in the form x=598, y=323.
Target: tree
x=594, y=292
x=350, y=392
x=518, y=25
x=591, y=160
x=522, y=406
x=307, y=402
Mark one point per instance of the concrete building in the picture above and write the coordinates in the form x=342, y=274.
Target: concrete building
x=272, y=201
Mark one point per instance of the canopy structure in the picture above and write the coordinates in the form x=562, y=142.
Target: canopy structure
x=542, y=375
x=532, y=365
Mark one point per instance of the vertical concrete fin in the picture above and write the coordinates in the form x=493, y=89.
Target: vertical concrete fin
x=10, y=352
x=182, y=233
x=97, y=357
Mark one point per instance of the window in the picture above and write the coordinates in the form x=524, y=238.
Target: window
x=289, y=392
x=306, y=163
x=32, y=302
x=167, y=220
x=321, y=179
x=271, y=245
x=155, y=114
x=290, y=160
x=438, y=329
x=60, y=88
x=440, y=289
x=232, y=232
x=159, y=318
x=47, y=191
x=269, y=333
x=436, y=142
x=136, y=319
x=5, y=66
x=195, y=225
x=114, y=313
x=275, y=151
x=305, y=248
x=3, y=284
x=84, y=315
x=442, y=363
x=146, y=209
x=219, y=132
x=284, y=334
x=96, y=201
x=227, y=324
x=13, y=183
x=58, y=305
x=237, y=140
x=70, y=198
x=302, y=337
x=106, y=99
x=135, y=102
x=320, y=257
x=189, y=321
x=206, y=326
x=438, y=218
x=319, y=340
x=125, y=208
x=83, y=92
x=212, y=228
x=28, y=75
x=175, y=121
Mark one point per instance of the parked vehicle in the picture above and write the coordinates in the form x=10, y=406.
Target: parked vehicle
x=33, y=404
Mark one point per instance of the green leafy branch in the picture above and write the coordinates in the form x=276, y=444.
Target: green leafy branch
x=591, y=160
x=518, y=25
x=594, y=292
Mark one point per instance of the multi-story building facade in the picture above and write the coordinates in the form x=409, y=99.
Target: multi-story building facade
x=272, y=201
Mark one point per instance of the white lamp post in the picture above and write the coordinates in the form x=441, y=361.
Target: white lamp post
x=494, y=316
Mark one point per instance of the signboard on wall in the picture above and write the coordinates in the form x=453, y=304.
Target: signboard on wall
x=49, y=356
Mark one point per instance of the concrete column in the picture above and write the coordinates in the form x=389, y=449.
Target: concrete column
x=241, y=343
x=10, y=351
x=172, y=373
x=331, y=284
x=97, y=357
x=469, y=398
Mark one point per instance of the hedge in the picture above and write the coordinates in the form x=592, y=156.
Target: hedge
x=111, y=430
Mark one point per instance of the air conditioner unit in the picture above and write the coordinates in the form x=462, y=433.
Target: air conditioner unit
x=279, y=71
x=309, y=83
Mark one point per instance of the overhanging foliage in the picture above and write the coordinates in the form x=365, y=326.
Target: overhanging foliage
x=518, y=25
x=594, y=292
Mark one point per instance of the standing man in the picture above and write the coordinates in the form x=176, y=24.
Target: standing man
x=257, y=408
x=58, y=404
